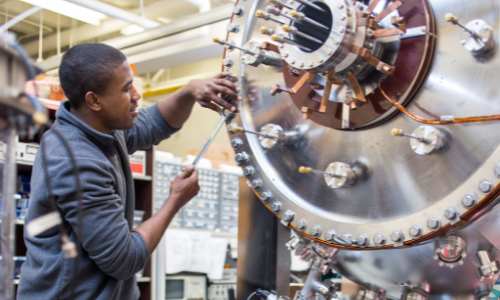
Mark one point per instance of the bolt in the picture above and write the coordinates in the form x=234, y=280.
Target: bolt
x=316, y=231
x=234, y=28
x=450, y=214
x=486, y=186
x=341, y=30
x=311, y=64
x=293, y=61
x=228, y=62
x=380, y=239
x=321, y=61
x=286, y=54
x=329, y=235
x=434, y=223
x=362, y=240
x=257, y=184
x=416, y=231
x=341, y=6
x=343, y=18
x=276, y=207
x=248, y=171
x=301, y=224
x=396, y=236
x=369, y=33
x=301, y=65
x=330, y=52
x=238, y=11
x=370, y=46
x=288, y=216
x=241, y=158
x=236, y=143
x=266, y=196
x=469, y=200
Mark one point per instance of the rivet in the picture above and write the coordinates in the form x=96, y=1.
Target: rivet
x=301, y=224
x=485, y=186
x=329, y=235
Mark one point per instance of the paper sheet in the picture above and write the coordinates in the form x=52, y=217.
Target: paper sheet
x=195, y=251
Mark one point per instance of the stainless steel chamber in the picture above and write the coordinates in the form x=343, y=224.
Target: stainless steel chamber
x=369, y=128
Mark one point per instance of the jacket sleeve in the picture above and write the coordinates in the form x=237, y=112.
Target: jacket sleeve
x=149, y=129
x=104, y=231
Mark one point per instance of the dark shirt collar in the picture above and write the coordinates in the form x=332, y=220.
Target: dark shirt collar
x=63, y=117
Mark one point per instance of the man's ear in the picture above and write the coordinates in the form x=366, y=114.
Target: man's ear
x=93, y=101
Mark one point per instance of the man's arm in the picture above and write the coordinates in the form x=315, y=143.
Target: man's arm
x=177, y=107
x=183, y=189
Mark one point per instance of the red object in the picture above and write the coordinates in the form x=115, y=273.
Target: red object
x=137, y=168
x=133, y=68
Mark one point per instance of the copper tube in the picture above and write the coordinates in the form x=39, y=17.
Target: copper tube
x=437, y=121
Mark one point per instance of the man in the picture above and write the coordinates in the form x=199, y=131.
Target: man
x=102, y=125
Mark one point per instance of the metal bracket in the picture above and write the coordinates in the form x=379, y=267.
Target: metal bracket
x=371, y=60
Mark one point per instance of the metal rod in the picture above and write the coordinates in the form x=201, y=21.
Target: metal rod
x=279, y=3
x=8, y=213
x=305, y=2
x=302, y=17
x=294, y=30
x=40, y=39
x=282, y=39
x=211, y=138
x=19, y=18
x=58, y=35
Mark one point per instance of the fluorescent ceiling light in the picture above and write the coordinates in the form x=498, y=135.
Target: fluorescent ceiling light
x=70, y=10
x=131, y=29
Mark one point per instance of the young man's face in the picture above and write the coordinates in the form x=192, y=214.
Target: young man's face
x=119, y=101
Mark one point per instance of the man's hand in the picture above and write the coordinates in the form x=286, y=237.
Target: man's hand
x=184, y=188
x=205, y=91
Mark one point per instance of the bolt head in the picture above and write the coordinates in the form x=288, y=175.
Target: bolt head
x=238, y=11
x=379, y=239
x=316, y=231
x=416, y=231
x=276, y=206
x=301, y=224
x=288, y=215
x=450, y=214
x=329, y=235
x=469, y=200
x=257, y=184
x=341, y=5
x=485, y=186
x=241, y=157
x=434, y=223
x=311, y=64
x=266, y=196
x=248, y=171
x=236, y=143
x=362, y=240
x=396, y=236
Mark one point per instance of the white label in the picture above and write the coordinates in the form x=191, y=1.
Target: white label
x=43, y=223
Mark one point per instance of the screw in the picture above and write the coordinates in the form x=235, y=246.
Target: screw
x=301, y=224
x=380, y=239
x=416, y=231
x=362, y=240
x=329, y=235
x=396, y=236
x=266, y=196
x=236, y=143
x=486, y=186
x=450, y=214
x=257, y=184
x=316, y=231
x=248, y=171
x=276, y=207
x=434, y=223
x=469, y=200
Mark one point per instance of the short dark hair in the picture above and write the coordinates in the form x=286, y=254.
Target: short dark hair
x=88, y=67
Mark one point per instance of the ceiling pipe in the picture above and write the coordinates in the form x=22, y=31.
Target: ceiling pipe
x=116, y=13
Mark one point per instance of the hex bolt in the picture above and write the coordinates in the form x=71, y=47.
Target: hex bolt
x=362, y=240
x=316, y=231
x=276, y=207
x=248, y=171
x=380, y=239
x=416, y=231
x=396, y=236
x=469, y=200
x=266, y=196
x=228, y=62
x=241, y=158
x=485, y=186
x=329, y=235
x=288, y=216
x=234, y=28
x=434, y=223
x=450, y=214
x=236, y=143
x=239, y=11
x=484, y=257
x=301, y=224
x=257, y=184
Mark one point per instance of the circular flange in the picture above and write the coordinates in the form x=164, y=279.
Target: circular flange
x=271, y=135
